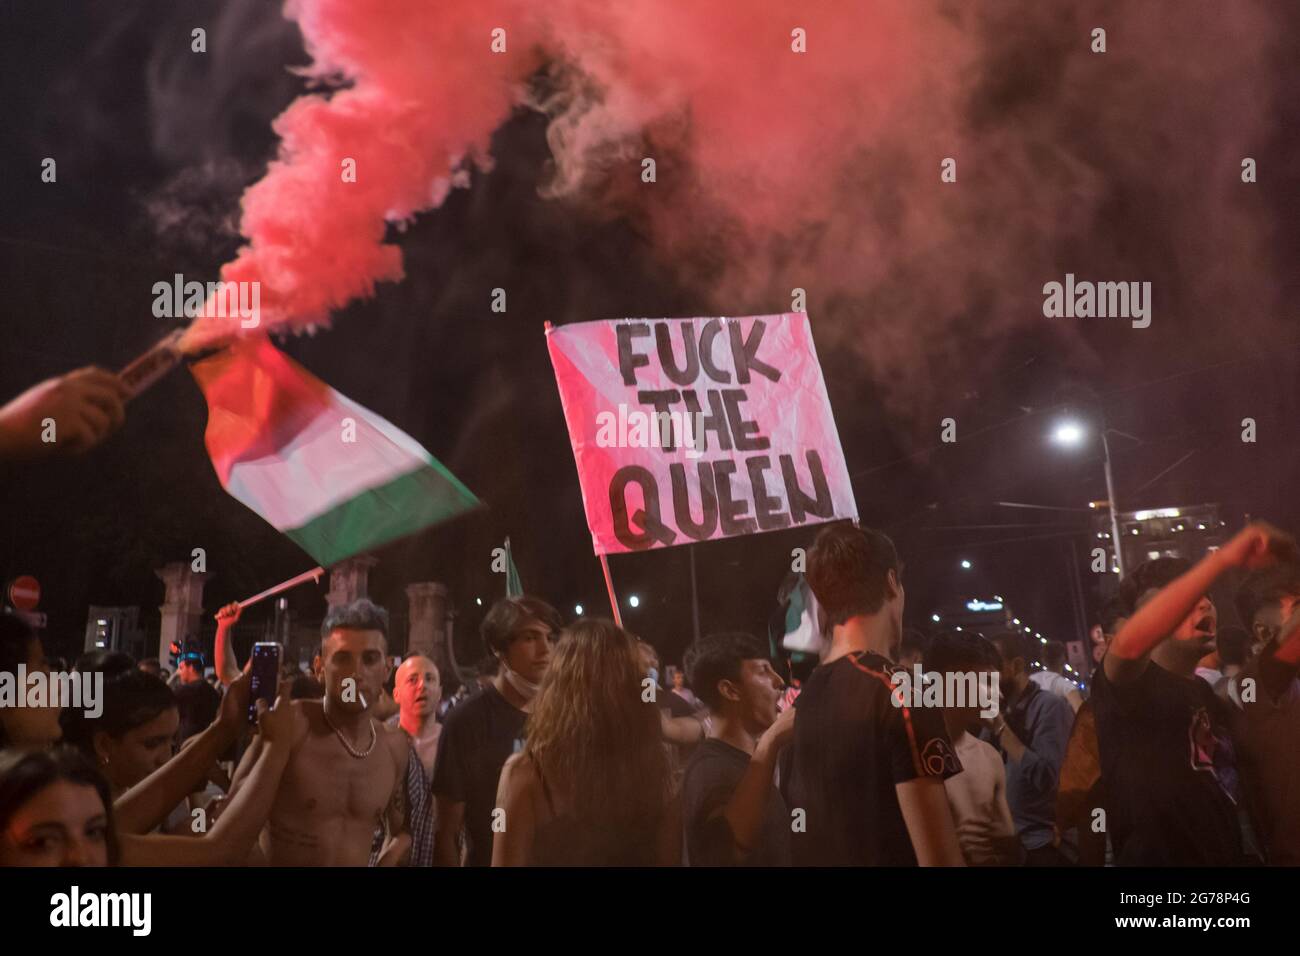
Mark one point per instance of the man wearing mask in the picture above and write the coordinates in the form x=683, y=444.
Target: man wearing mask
x=481, y=733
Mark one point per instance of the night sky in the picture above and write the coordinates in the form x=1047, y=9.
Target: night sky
x=155, y=146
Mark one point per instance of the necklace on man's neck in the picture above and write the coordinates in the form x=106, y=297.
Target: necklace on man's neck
x=347, y=744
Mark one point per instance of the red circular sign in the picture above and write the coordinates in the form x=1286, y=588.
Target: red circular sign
x=25, y=593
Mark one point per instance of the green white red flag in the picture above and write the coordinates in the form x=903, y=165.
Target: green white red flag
x=332, y=475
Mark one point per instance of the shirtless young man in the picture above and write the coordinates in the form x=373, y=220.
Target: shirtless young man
x=347, y=776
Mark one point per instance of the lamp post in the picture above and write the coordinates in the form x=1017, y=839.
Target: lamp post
x=1070, y=433
x=1114, y=506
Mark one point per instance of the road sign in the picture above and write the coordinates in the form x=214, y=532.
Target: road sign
x=25, y=592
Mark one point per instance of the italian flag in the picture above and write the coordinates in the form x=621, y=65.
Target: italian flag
x=330, y=474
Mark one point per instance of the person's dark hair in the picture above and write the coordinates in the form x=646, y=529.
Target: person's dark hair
x=110, y=663
x=1233, y=644
x=1013, y=644
x=1264, y=587
x=1154, y=575
x=23, y=775
x=848, y=569
x=718, y=657
x=1053, y=655
x=361, y=615
x=197, y=704
x=306, y=687
x=16, y=640
x=131, y=698
x=488, y=666
x=150, y=665
x=914, y=642
x=508, y=617
x=1119, y=606
x=958, y=651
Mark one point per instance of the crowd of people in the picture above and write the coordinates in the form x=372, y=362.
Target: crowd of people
x=568, y=750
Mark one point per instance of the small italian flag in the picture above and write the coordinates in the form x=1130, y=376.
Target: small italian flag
x=332, y=475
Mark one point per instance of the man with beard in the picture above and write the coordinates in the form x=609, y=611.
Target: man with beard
x=348, y=774
x=1169, y=765
x=1031, y=732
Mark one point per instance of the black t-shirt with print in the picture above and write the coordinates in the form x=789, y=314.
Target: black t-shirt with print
x=711, y=780
x=478, y=736
x=851, y=747
x=1169, y=770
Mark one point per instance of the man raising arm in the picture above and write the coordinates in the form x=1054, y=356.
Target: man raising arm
x=1169, y=761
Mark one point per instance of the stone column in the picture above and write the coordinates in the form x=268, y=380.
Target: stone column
x=349, y=580
x=182, y=606
x=428, y=624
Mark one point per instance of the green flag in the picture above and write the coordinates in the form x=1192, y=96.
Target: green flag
x=514, y=587
x=804, y=624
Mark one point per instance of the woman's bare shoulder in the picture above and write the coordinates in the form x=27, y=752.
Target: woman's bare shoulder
x=520, y=771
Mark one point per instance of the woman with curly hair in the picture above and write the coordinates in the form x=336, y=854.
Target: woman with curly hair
x=591, y=786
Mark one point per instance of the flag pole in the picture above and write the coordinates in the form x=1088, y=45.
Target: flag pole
x=609, y=586
x=695, y=597
x=312, y=575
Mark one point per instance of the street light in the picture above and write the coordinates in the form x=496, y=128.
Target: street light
x=634, y=601
x=1070, y=434
x=577, y=609
x=965, y=565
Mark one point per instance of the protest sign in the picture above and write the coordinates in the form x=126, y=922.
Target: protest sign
x=687, y=430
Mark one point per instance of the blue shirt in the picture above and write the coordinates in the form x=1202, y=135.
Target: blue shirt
x=1042, y=722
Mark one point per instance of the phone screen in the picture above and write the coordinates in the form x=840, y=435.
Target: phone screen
x=265, y=676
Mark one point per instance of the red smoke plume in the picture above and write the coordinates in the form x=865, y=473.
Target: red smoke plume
x=779, y=169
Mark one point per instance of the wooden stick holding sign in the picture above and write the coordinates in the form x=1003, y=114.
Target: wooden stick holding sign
x=609, y=586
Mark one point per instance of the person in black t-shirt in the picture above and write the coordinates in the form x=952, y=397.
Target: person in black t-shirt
x=196, y=699
x=481, y=733
x=866, y=774
x=1168, y=760
x=731, y=812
